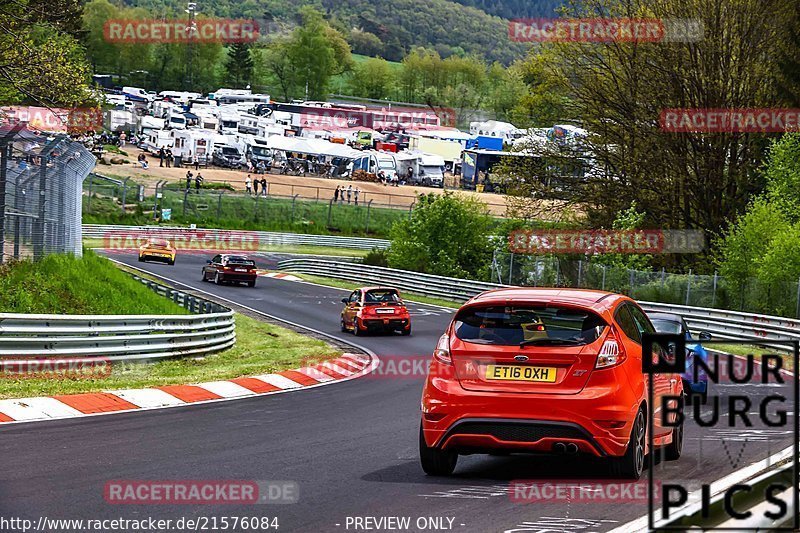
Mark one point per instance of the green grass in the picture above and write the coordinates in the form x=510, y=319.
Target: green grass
x=350, y=285
x=246, y=213
x=63, y=284
x=286, y=249
x=260, y=348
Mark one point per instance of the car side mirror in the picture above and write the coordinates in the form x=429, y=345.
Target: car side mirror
x=208, y=261
x=705, y=336
x=345, y=300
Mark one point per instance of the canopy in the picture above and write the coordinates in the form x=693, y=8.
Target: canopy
x=312, y=146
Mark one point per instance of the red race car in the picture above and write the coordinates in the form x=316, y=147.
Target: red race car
x=375, y=309
x=553, y=371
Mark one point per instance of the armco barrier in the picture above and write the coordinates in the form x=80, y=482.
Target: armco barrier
x=120, y=337
x=720, y=323
x=93, y=231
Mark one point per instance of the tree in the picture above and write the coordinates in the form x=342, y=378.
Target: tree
x=372, y=78
x=365, y=43
x=448, y=235
x=239, y=68
x=315, y=54
x=618, y=90
x=42, y=61
x=273, y=67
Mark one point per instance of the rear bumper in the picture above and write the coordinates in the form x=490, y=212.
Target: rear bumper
x=384, y=324
x=151, y=257
x=234, y=276
x=598, y=419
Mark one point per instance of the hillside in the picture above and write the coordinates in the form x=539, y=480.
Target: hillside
x=447, y=26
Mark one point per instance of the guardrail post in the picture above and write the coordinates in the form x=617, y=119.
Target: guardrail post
x=797, y=313
x=688, y=286
x=185, y=200
x=366, y=226
x=714, y=294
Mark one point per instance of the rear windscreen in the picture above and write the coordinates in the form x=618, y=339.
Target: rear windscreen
x=666, y=326
x=236, y=260
x=514, y=325
x=378, y=297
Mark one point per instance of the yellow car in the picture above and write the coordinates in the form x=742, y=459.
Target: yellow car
x=157, y=250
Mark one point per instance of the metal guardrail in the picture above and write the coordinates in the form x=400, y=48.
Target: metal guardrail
x=120, y=337
x=253, y=238
x=720, y=323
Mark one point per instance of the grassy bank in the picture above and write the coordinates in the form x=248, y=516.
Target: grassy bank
x=260, y=348
x=242, y=212
x=63, y=284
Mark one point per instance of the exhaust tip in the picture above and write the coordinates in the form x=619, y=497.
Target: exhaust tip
x=572, y=448
x=559, y=447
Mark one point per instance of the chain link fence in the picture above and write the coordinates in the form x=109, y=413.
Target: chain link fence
x=109, y=200
x=753, y=296
x=40, y=193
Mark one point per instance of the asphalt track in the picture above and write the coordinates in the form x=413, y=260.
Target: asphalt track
x=351, y=447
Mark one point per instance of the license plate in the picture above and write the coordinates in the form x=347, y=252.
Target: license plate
x=384, y=311
x=521, y=373
x=241, y=270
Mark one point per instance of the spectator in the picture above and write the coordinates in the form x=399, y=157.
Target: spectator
x=410, y=175
x=161, y=156
x=198, y=180
x=255, y=186
x=248, y=186
x=349, y=193
x=188, y=159
x=122, y=138
x=196, y=163
x=188, y=180
x=264, y=186
x=168, y=156
x=355, y=195
x=336, y=194
x=143, y=160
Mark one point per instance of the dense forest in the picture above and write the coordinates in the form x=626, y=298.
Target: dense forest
x=389, y=28
x=515, y=9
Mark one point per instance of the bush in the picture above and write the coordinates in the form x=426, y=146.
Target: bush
x=376, y=257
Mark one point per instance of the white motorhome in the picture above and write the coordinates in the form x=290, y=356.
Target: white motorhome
x=207, y=120
x=249, y=124
x=146, y=124
x=175, y=118
x=240, y=96
x=431, y=170
x=119, y=120
x=193, y=143
x=256, y=149
x=182, y=97
x=158, y=139
x=229, y=122
x=229, y=151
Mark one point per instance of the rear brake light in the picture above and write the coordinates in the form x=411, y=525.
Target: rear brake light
x=442, y=351
x=611, y=353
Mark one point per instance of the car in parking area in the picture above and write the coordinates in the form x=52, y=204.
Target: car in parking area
x=373, y=309
x=571, y=384
x=672, y=323
x=230, y=268
x=157, y=250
